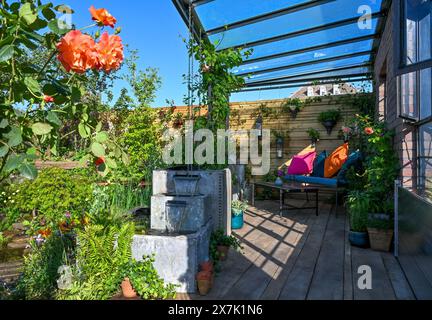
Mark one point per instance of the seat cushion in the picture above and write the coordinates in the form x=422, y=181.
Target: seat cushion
x=328, y=182
x=318, y=168
x=335, y=161
x=302, y=164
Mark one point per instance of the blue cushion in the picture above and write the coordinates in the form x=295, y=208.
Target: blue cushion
x=330, y=182
x=318, y=168
x=353, y=160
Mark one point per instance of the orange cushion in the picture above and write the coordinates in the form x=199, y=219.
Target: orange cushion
x=335, y=161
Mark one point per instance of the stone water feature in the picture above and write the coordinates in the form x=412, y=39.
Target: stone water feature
x=180, y=228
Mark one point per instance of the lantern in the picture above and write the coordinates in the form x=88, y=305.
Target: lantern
x=279, y=147
x=259, y=125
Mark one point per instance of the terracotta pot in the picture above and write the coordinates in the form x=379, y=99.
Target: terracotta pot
x=380, y=240
x=127, y=289
x=207, y=266
x=204, y=286
x=223, y=252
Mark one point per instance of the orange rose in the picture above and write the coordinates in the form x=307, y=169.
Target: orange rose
x=77, y=52
x=103, y=17
x=110, y=52
x=369, y=131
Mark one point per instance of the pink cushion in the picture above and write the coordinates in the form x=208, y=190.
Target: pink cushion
x=302, y=164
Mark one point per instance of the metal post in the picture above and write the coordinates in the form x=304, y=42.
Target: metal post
x=397, y=184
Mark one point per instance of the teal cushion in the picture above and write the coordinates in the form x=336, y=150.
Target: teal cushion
x=318, y=169
x=354, y=159
x=329, y=182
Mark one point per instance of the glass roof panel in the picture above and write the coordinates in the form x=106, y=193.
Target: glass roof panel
x=313, y=39
x=293, y=22
x=323, y=66
x=316, y=55
x=219, y=13
x=337, y=74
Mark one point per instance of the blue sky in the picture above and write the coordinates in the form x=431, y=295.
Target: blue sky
x=156, y=30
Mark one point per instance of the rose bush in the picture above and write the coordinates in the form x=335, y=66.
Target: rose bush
x=38, y=93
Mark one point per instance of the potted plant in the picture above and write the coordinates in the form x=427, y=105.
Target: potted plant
x=220, y=244
x=293, y=106
x=314, y=135
x=279, y=181
x=204, y=282
x=208, y=266
x=358, y=206
x=329, y=119
x=237, y=219
x=380, y=227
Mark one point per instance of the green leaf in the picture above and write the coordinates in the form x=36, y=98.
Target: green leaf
x=53, y=118
x=84, y=130
x=26, y=12
x=6, y=52
x=12, y=163
x=4, y=123
x=111, y=163
x=97, y=149
x=56, y=26
x=32, y=84
x=28, y=171
x=48, y=14
x=125, y=158
x=102, y=136
x=99, y=126
x=14, y=137
x=4, y=151
x=40, y=128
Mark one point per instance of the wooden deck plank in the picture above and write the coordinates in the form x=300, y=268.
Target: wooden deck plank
x=381, y=285
x=399, y=282
x=328, y=277
x=256, y=278
x=297, y=284
x=348, y=275
x=276, y=284
x=417, y=279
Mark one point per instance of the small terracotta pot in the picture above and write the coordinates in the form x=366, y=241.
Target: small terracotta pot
x=223, y=252
x=204, y=286
x=207, y=266
x=127, y=289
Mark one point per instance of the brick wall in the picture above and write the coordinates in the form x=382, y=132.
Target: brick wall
x=384, y=67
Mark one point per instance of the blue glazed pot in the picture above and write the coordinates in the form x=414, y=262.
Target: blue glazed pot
x=237, y=221
x=278, y=182
x=359, y=239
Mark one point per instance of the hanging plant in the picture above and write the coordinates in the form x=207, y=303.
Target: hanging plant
x=293, y=106
x=314, y=135
x=329, y=119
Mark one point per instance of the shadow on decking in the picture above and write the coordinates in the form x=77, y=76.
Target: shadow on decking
x=300, y=257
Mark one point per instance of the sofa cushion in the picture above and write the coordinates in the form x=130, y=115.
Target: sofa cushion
x=302, y=164
x=335, y=161
x=329, y=182
x=318, y=168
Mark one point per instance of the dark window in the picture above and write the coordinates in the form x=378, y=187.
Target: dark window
x=425, y=160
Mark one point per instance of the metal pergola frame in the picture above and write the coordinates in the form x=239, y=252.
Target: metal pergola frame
x=187, y=9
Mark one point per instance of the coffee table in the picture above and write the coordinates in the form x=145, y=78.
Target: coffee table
x=290, y=187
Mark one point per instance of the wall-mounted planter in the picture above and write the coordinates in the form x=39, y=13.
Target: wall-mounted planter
x=293, y=112
x=329, y=125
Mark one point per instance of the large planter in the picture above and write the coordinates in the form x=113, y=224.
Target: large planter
x=127, y=289
x=380, y=240
x=359, y=239
x=237, y=219
x=329, y=125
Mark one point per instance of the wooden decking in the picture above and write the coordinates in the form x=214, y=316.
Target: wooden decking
x=302, y=257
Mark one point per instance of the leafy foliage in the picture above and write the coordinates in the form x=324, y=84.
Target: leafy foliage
x=40, y=273
x=54, y=192
x=146, y=281
x=219, y=238
x=100, y=252
x=330, y=115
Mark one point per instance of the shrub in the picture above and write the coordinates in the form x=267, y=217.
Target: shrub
x=358, y=206
x=54, y=192
x=38, y=281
